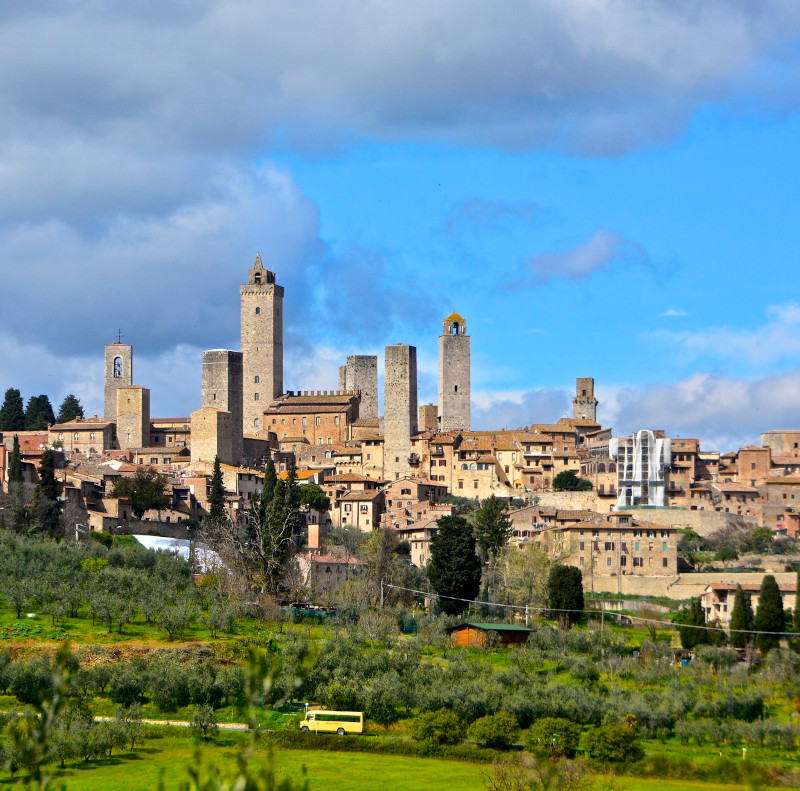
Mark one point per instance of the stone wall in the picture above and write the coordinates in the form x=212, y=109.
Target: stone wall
x=133, y=417
x=702, y=522
x=212, y=435
x=222, y=389
x=361, y=374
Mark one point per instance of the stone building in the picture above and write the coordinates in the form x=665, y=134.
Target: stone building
x=87, y=436
x=400, y=409
x=428, y=417
x=133, y=417
x=360, y=375
x=118, y=372
x=212, y=435
x=321, y=417
x=584, y=405
x=262, y=344
x=454, y=375
x=222, y=389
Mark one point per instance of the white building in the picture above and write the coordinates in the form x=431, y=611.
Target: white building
x=642, y=459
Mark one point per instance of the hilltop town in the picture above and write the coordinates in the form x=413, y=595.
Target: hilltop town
x=405, y=469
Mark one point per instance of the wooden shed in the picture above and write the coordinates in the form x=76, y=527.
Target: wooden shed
x=471, y=633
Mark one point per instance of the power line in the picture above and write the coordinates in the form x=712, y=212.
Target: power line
x=650, y=621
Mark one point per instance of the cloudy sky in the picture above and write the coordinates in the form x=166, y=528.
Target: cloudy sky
x=603, y=188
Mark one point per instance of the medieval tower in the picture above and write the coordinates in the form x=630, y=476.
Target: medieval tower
x=454, y=375
x=262, y=344
x=584, y=405
x=118, y=373
x=360, y=375
x=400, y=409
x=222, y=390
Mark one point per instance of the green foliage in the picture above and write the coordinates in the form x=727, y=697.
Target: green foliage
x=727, y=553
x=498, y=731
x=216, y=495
x=492, y=526
x=615, y=743
x=568, y=481
x=312, y=496
x=742, y=618
x=46, y=509
x=70, y=409
x=565, y=593
x=146, y=489
x=15, y=463
x=454, y=570
x=204, y=722
x=555, y=736
x=769, y=616
x=12, y=413
x=690, y=616
x=39, y=414
x=437, y=728
x=762, y=539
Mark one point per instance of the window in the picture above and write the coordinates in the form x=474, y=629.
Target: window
x=623, y=561
x=461, y=484
x=638, y=563
x=474, y=484
x=117, y=367
x=76, y=436
x=368, y=457
x=255, y=422
x=364, y=509
x=336, y=420
x=256, y=379
x=294, y=421
x=92, y=438
x=464, y=467
x=61, y=437
x=348, y=507
x=608, y=560
x=318, y=421
x=580, y=561
x=255, y=396
x=636, y=546
x=664, y=562
x=609, y=546
x=664, y=547
x=258, y=311
x=581, y=545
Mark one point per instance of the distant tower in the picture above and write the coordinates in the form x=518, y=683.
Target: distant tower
x=262, y=344
x=361, y=374
x=400, y=409
x=584, y=405
x=454, y=375
x=118, y=373
x=222, y=389
x=133, y=417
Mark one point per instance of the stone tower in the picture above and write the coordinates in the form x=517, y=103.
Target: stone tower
x=584, y=405
x=222, y=390
x=118, y=373
x=133, y=417
x=400, y=409
x=361, y=374
x=262, y=344
x=454, y=375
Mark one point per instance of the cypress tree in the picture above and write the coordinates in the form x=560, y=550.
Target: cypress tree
x=12, y=413
x=15, y=463
x=796, y=614
x=270, y=479
x=39, y=413
x=769, y=616
x=454, y=569
x=741, y=619
x=216, y=497
x=565, y=593
x=290, y=494
x=687, y=617
x=70, y=409
x=47, y=510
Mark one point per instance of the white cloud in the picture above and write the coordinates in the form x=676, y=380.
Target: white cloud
x=601, y=250
x=672, y=313
x=778, y=338
x=517, y=408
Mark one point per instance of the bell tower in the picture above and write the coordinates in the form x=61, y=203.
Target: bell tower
x=584, y=405
x=454, y=375
x=262, y=344
x=118, y=373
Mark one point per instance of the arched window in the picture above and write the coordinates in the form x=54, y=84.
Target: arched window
x=455, y=328
x=255, y=422
x=464, y=467
x=257, y=278
x=258, y=311
x=455, y=388
x=117, y=367
x=472, y=466
x=256, y=379
x=601, y=467
x=255, y=397
x=612, y=467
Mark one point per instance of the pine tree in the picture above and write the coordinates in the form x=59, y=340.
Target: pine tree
x=216, y=497
x=565, y=593
x=15, y=463
x=70, y=409
x=492, y=526
x=741, y=619
x=769, y=616
x=454, y=569
x=39, y=413
x=12, y=413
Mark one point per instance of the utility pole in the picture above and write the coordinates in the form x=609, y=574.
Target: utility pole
x=381, y=594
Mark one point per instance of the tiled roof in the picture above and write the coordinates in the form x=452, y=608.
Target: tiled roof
x=368, y=495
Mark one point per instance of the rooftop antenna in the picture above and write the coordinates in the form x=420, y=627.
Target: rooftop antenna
x=119, y=336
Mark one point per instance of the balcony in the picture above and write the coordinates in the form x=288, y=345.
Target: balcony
x=413, y=459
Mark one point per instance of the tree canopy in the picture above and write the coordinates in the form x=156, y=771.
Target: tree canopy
x=769, y=616
x=12, y=413
x=216, y=495
x=741, y=619
x=312, y=496
x=565, y=593
x=568, y=481
x=146, y=489
x=15, y=463
x=39, y=413
x=70, y=409
x=492, y=526
x=454, y=570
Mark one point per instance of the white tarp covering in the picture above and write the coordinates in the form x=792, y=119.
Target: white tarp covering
x=205, y=559
x=635, y=484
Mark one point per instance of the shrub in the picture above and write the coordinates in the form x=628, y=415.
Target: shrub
x=554, y=735
x=126, y=686
x=438, y=728
x=499, y=730
x=616, y=743
x=31, y=682
x=204, y=723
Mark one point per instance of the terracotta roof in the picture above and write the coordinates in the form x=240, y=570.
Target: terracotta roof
x=368, y=495
x=299, y=409
x=87, y=423
x=302, y=475
x=312, y=400
x=455, y=317
x=577, y=515
x=294, y=438
x=783, y=460
x=550, y=428
x=350, y=477
x=185, y=420
x=786, y=480
x=366, y=422
x=734, y=487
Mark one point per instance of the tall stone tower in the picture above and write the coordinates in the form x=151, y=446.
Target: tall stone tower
x=118, y=373
x=584, y=405
x=454, y=375
x=262, y=344
x=222, y=390
x=133, y=417
x=400, y=409
x=361, y=374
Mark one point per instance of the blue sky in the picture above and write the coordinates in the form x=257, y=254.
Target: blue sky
x=602, y=188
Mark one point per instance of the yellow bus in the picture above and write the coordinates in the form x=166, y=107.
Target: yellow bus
x=341, y=722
